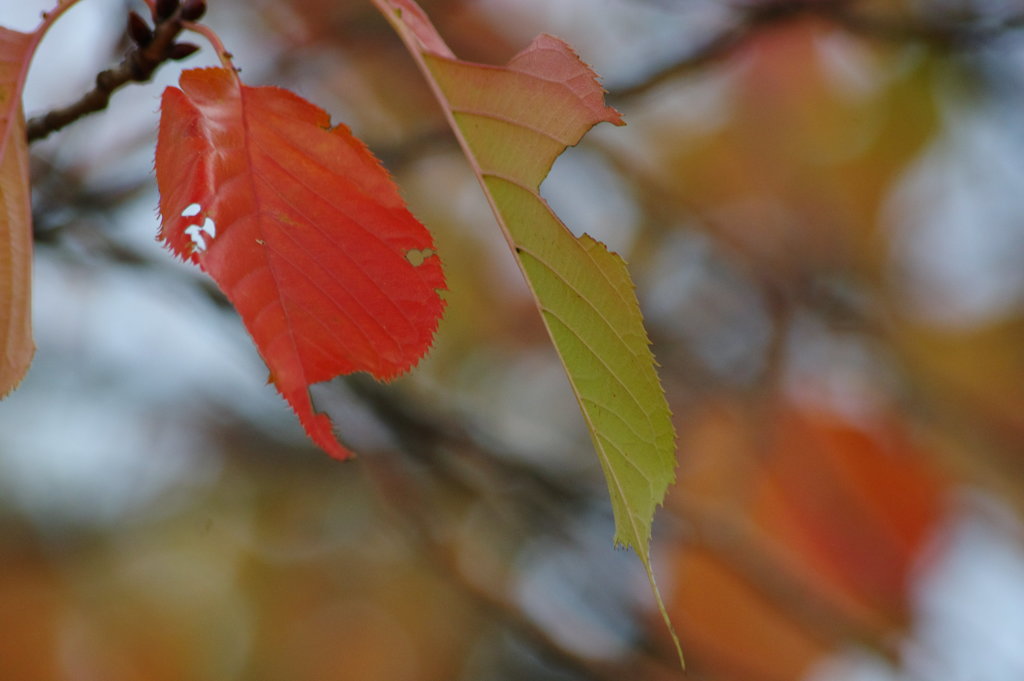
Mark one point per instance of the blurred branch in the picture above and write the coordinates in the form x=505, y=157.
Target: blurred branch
x=406, y=496
x=525, y=497
x=152, y=49
x=429, y=438
x=941, y=32
x=712, y=49
x=756, y=561
x=422, y=432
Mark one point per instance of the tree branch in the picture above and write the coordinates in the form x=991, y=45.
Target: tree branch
x=406, y=494
x=943, y=32
x=138, y=66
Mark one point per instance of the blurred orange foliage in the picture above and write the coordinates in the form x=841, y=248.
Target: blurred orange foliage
x=811, y=214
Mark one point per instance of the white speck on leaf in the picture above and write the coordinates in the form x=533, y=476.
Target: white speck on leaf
x=195, y=232
x=210, y=227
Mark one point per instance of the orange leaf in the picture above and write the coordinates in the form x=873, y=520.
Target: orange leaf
x=735, y=630
x=302, y=229
x=857, y=506
x=809, y=532
x=16, y=346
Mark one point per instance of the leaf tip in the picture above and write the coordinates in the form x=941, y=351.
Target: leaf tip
x=551, y=57
x=662, y=610
x=15, y=369
x=317, y=424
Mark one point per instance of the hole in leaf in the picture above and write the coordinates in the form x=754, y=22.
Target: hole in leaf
x=417, y=257
x=196, y=232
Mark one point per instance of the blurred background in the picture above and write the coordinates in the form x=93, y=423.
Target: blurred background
x=820, y=202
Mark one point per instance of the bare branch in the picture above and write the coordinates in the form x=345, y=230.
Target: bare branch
x=940, y=32
x=406, y=493
x=138, y=66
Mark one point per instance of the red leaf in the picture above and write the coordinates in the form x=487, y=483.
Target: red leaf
x=302, y=229
x=16, y=346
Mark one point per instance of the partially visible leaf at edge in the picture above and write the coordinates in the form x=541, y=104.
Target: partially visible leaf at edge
x=512, y=122
x=16, y=345
x=302, y=229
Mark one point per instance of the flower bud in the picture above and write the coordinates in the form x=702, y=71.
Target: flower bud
x=181, y=50
x=165, y=9
x=138, y=30
x=193, y=10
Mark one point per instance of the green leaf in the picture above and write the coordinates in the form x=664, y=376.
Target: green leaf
x=512, y=122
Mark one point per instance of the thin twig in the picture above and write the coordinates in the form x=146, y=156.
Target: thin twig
x=948, y=33
x=712, y=49
x=945, y=33
x=406, y=499
x=771, y=572
x=138, y=66
x=470, y=461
